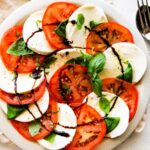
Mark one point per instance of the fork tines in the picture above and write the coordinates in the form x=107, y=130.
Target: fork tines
x=144, y=15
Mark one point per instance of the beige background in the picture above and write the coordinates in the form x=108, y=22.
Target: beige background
x=136, y=141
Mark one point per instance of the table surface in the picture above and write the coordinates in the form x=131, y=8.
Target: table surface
x=128, y=7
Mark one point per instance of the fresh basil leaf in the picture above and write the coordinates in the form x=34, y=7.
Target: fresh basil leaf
x=34, y=127
x=80, y=21
x=48, y=61
x=14, y=111
x=128, y=74
x=93, y=24
x=111, y=123
x=105, y=104
x=97, y=85
x=97, y=63
x=77, y=60
x=86, y=58
x=51, y=138
x=19, y=48
x=82, y=60
x=61, y=29
x=38, y=22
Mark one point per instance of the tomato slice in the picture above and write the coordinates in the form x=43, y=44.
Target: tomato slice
x=48, y=123
x=125, y=90
x=56, y=13
x=23, y=99
x=70, y=84
x=90, y=131
x=107, y=34
x=24, y=64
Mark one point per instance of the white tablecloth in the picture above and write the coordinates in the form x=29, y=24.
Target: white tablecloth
x=128, y=7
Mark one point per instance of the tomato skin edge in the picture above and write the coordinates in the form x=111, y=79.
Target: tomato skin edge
x=132, y=90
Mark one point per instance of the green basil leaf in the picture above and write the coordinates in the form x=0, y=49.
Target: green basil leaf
x=93, y=24
x=61, y=29
x=34, y=127
x=128, y=74
x=82, y=60
x=77, y=60
x=14, y=111
x=111, y=123
x=38, y=22
x=97, y=85
x=97, y=63
x=48, y=61
x=19, y=48
x=80, y=21
x=105, y=104
x=51, y=138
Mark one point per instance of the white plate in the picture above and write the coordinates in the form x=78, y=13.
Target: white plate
x=20, y=14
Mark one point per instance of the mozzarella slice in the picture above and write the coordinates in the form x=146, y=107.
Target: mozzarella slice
x=120, y=110
x=66, y=117
x=25, y=116
x=25, y=83
x=62, y=57
x=90, y=13
x=128, y=52
x=37, y=42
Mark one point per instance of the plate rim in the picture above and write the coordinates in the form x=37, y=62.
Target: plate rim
x=108, y=144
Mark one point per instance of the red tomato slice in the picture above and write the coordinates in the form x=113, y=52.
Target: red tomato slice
x=90, y=131
x=46, y=123
x=125, y=90
x=24, y=99
x=25, y=64
x=70, y=84
x=56, y=13
x=111, y=32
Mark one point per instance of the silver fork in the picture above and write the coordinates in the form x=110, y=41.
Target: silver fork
x=143, y=18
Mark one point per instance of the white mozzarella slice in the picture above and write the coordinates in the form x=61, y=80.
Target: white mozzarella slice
x=25, y=83
x=90, y=13
x=62, y=57
x=128, y=52
x=25, y=116
x=66, y=117
x=37, y=42
x=120, y=110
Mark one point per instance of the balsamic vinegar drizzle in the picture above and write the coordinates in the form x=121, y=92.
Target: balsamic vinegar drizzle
x=36, y=72
x=73, y=22
x=15, y=81
x=64, y=134
x=51, y=24
x=32, y=91
x=39, y=30
x=119, y=59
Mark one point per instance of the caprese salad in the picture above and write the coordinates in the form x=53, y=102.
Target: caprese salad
x=68, y=77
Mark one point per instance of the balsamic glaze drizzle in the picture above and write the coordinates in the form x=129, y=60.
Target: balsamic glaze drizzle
x=61, y=133
x=39, y=30
x=66, y=42
x=119, y=59
x=73, y=22
x=31, y=113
